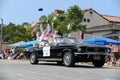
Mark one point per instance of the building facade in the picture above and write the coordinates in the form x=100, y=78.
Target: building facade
x=101, y=25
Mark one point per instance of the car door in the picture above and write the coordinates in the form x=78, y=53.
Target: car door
x=49, y=51
x=52, y=51
x=55, y=51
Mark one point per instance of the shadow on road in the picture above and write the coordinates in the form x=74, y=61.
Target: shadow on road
x=76, y=65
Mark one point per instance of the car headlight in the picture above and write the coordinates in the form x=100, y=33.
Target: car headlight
x=109, y=50
x=79, y=49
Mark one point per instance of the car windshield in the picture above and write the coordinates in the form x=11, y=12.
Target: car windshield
x=66, y=40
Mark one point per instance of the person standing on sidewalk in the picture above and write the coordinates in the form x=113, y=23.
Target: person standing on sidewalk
x=113, y=59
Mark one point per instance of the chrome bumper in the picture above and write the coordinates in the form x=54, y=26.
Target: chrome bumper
x=92, y=53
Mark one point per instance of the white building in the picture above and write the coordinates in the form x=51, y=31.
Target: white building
x=101, y=25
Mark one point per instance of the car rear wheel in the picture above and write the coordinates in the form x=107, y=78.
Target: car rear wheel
x=33, y=58
x=98, y=63
x=68, y=59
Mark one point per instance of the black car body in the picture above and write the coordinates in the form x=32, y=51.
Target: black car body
x=69, y=51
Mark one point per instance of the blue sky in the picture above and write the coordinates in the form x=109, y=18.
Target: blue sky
x=19, y=11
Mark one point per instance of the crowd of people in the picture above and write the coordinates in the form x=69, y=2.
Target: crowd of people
x=48, y=38
x=11, y=54
x=112, y=59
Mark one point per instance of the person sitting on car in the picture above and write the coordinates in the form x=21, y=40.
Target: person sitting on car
x=41, y=44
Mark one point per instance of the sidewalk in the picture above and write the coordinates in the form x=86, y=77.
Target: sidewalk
x=110, y=65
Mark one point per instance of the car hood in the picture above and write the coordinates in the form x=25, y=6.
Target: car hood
x=90, y=45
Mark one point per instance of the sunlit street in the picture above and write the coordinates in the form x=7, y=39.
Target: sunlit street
x=23, y=70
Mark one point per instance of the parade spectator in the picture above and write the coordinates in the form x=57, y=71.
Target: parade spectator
x=112, y=55
x=12, y=51
x=113, y=59
x=9, y=54
x=1, y=55
x=110, y=46
x=6, y=54
x=20, y=55
x=15, y=55
x=108, y=60
x=118, y=62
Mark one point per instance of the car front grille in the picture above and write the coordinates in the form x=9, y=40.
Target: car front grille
x=85, y=49
x=95, y=49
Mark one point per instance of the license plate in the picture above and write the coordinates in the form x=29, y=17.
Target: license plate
x=96, y=57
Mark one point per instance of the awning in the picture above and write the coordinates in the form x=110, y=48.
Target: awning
x=29, y=43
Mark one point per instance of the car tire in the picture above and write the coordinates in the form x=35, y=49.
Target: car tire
x=33, y=58
x=68, y=59
x=99, y=63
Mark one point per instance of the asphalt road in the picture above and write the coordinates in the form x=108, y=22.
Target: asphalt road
x=23, y=70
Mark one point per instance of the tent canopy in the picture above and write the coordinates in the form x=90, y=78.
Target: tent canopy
x=29, y=43
x=16, y=44
x=102, y=41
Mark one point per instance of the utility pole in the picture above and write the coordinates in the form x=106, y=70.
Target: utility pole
x=1, y=25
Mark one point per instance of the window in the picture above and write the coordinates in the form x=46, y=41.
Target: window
x=88, y=20
x=84, y=20
x=91, y=12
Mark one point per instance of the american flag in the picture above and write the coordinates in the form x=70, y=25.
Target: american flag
x=33, y=24
x=79, y=36
x=47, y=31
x=41, y=29
x=33, y=31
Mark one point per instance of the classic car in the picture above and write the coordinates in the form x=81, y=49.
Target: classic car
x=68, y=51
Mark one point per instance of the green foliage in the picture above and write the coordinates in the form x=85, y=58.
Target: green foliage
x=74, y=17
x=75, y=14
x=51, y=19
x=16, y=33
x=60, y=23
x=43, y=19
x=28, y=33
x=68, y=22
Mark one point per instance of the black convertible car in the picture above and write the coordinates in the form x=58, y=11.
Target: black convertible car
x=68, y=51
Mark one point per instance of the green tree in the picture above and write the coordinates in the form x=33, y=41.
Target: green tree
x=26, y=24
x=60, y=23
x=69, y=21
x=51, y=19
x=28, y=32
x=44, y=20
x=74, y=17
x=15, y=33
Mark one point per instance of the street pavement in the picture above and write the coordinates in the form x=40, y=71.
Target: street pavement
x=23, y=70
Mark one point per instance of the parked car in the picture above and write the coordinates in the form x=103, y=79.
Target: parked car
x=68, y=51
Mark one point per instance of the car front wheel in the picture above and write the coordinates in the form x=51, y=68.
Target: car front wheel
x=33, y=58
x=98, y=63
x=68, y=59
